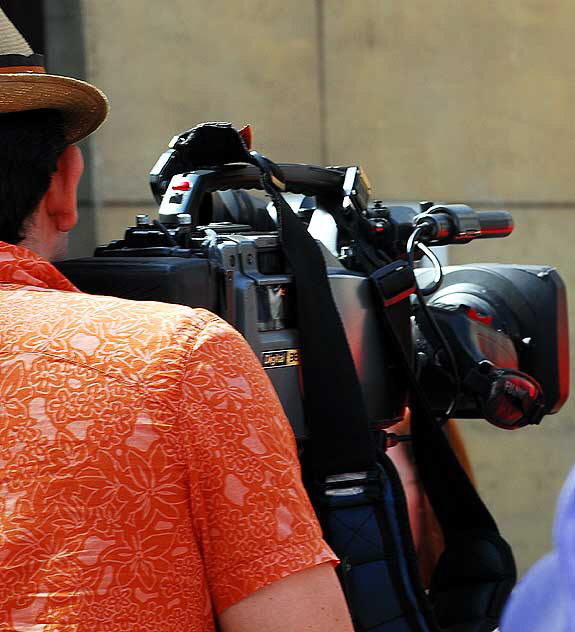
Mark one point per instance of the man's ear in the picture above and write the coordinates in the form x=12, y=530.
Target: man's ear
x=60, y=200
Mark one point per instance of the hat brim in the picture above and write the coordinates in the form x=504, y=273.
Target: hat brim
x=84, y=107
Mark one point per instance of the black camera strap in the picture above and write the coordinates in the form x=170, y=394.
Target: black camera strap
x=333, y=400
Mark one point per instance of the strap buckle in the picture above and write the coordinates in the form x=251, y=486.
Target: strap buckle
x=347, y=484
x=395, y=282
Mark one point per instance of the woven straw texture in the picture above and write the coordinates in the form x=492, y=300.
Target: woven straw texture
x=83, y=106
x=11, y=42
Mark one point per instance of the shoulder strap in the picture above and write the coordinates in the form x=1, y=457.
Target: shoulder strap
x=333, y=400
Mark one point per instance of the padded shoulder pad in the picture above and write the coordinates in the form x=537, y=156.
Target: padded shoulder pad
x=472, y=581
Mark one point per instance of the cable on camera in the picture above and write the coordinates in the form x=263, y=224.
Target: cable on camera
x=413, y=243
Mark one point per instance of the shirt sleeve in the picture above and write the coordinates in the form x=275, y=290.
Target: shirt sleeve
x=249, y=508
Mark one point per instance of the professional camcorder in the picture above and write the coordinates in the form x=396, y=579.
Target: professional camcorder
x=351, y=330
x=486, y=340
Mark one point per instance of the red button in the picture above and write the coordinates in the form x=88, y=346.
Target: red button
x=484, y=319
x=184, y=186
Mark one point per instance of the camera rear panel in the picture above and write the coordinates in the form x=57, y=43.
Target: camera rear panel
x=243, y=278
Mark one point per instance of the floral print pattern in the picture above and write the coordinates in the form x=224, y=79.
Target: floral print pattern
x=148, y=476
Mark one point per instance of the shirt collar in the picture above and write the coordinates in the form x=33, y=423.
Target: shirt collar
x=21, y=266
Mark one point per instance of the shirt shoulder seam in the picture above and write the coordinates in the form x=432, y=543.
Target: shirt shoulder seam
x=119, y=378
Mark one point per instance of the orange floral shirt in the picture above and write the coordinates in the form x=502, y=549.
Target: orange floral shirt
x=148, y=476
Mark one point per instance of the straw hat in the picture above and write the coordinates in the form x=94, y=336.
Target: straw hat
x=24, y=85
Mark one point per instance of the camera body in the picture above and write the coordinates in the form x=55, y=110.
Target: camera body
x=495, y=321
x=240, y=277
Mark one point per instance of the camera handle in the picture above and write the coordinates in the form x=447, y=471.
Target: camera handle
x=186, y=190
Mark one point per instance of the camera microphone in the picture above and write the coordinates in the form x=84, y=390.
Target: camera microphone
x=460, y=224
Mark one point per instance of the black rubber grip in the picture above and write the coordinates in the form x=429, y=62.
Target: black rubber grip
x=495, y=224
x=186, y=194
x=304, y=179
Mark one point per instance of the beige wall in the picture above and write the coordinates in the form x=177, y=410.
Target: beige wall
x=165, y=71
x=454, y=98
x=450, y=100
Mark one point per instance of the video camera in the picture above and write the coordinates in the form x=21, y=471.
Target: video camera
x=486, y=340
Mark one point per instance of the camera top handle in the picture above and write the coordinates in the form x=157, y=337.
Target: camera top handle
x=441, y=224
x=215, y=157
x=186, y=190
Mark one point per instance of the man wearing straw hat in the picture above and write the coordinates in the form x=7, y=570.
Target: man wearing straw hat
x=148, y=477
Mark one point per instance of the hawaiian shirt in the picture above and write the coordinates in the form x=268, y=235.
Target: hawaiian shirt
x=148, y=476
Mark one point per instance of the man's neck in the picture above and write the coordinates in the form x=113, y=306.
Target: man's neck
x=51, y=245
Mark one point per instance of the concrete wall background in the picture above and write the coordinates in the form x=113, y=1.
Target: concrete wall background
x=66, y=54
x=453, y=100
x=165, y=71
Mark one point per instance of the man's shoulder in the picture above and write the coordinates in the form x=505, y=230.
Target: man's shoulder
x=110, y=310
x=130, y=339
